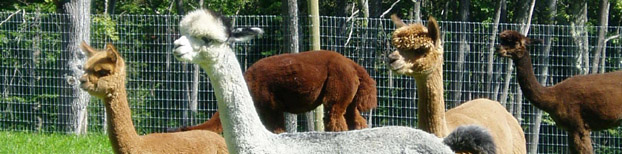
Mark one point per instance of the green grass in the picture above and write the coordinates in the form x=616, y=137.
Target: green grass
x=28, y=142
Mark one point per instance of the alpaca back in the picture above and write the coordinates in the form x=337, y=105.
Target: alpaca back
x=505, y=129
x=379, y=140
x=302, y=77
x=196, y=141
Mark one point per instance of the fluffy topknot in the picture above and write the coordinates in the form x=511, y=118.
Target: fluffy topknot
x=206, y=23
x=411, y=38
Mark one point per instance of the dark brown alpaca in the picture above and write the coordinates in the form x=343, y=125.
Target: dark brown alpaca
x=579, y=104
x=297, y=83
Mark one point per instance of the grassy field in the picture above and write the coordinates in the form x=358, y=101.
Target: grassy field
x=26, y=142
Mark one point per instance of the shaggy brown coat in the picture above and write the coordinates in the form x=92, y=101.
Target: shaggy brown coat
x=420, y=55
x=579, y=104
x=104, y=78
x=298, y=83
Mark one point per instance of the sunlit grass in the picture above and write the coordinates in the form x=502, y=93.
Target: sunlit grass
x=28, y=142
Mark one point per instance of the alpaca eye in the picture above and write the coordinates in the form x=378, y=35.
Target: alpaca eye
x=102, y=73
x=206, y=40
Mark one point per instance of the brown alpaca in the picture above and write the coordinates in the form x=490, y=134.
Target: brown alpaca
x=420, y=55
x=104, y=78
x=297, y=83
x=579, y=104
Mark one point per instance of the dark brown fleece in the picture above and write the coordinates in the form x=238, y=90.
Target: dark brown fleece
x=298, y=83
x=579, y=104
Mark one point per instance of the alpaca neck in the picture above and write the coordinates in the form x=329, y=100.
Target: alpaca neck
x=431, y=105
x=532, y=89
x=121, y=129
x=241, y=124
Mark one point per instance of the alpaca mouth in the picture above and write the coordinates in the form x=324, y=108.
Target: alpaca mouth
x=502, y=52
x=396, y=65
x=83, y=86
x=177, y=54
x=391, y=61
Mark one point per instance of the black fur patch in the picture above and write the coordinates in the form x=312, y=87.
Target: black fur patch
x=239, y=32
x=471, y=138
x=226, y=21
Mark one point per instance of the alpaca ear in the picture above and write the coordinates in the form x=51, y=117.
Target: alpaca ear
x=111, y=52
x=434, y=31
x=397, y=21
x=87, y=49
x=244, y=34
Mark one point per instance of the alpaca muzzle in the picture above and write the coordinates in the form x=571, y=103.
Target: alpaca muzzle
x=500, y=51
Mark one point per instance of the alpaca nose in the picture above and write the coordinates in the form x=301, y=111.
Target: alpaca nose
x=393, y=57
x=391, y=60
x=179, y=41
x=83, y=79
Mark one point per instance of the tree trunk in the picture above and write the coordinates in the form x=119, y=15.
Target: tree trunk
x=364, y=4
x=79, y=12
x=491, y=48
x=376, y=10
x=523, y=15
x=497, y=87
x=290, y=29
x=314, y=11
x=578, y=18
x=194, y=92
x=180, y=7
x=416, y=11
x=548, y=18
x=463, y=48
x=109, y=8
x=602, y=59
x=604, y=22
x=34, y=63
x=342, y=9
x=449, y=12
x=519, y=95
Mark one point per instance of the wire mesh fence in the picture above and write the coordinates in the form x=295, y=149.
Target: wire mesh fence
x=37, y=97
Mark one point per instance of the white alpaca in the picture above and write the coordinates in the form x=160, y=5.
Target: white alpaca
x=206, y=38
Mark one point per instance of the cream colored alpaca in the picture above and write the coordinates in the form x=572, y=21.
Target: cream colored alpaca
x=206, y=39
x=420, y=55
x=104, y=78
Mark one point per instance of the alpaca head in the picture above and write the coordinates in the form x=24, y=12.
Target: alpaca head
x=419, y=48
x=104, y=71
x=513, y=44
x=205, y=34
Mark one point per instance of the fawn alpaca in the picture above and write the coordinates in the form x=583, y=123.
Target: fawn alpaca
x=420, y=54
x=104, y=78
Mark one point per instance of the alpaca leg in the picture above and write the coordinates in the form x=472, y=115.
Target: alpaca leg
x=580, y=142
x=213, y=124
x=354, y=118
x=272, y=120
x=340, y=90
x=335, y=121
